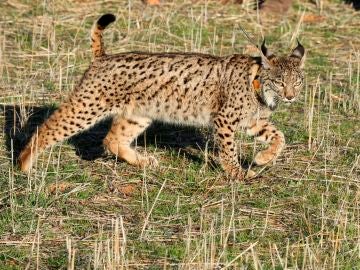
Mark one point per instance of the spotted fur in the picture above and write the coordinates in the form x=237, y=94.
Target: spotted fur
x=188, y=88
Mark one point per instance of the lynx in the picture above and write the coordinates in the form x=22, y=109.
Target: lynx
x=236, y=92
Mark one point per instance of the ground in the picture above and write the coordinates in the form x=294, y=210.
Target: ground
x=83, y=209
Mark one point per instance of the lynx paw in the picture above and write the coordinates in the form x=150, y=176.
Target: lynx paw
x=250, y=174
x=25, y=160
x=148, y=161
x=264, y=157
x=236, y=174
x=241, y=175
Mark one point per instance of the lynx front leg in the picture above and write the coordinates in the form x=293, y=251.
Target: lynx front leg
x=266, y=132
x=225, y=137
x=123, y=132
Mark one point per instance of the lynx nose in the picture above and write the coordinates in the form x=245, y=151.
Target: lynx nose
x=289, y=94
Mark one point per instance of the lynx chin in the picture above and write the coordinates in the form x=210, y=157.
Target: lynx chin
x=236, y=92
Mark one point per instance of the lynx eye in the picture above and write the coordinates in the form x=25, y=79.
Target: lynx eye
x=279, y=84
x=297, y=83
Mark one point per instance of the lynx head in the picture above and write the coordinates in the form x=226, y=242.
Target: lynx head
x=282, y=77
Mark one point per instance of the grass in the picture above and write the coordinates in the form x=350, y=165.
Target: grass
x=83, y=209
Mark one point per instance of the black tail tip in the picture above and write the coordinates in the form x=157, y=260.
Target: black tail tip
x=106, y=19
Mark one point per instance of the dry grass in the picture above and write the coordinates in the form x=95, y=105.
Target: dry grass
x=302, y=213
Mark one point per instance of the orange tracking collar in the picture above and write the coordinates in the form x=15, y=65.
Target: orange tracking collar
x=254, y=77
x=256, y=85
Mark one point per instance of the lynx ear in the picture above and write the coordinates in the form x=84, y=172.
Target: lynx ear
x=266, y=55
x=266, y=51
x=299, y=52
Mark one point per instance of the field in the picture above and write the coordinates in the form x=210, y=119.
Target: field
x=81, y=208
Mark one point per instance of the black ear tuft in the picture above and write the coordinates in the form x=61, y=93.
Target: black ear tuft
x=263, y=47
x=265, y=60
x=299, y=51
x=105, y=20
x=265, y=50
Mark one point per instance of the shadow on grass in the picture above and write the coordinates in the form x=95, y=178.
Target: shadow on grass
x=88, y=144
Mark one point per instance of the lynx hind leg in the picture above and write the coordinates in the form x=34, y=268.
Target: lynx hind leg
x=266, y=132
x=69, y=119
x=123, y=132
